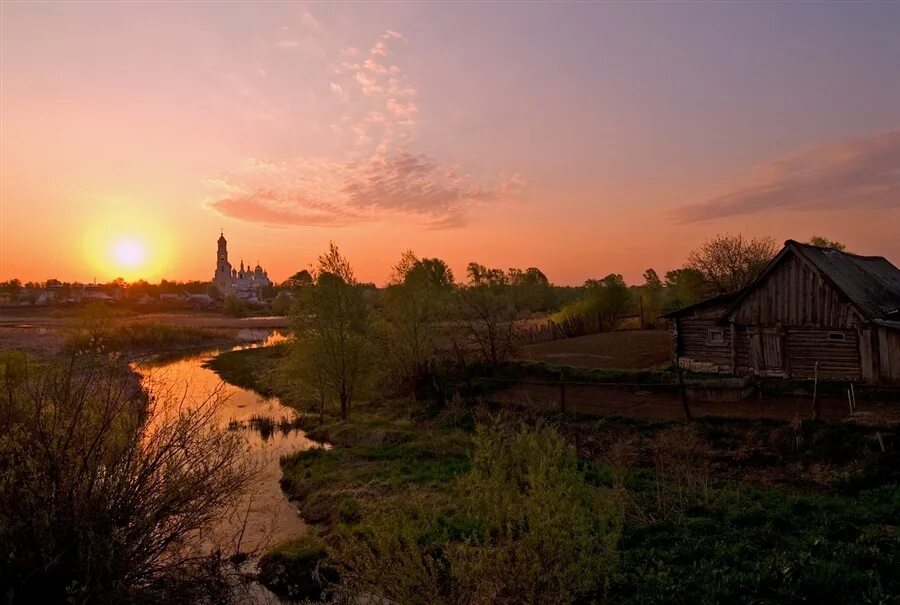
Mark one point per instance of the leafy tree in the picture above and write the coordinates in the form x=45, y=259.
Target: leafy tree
x=299, y=279
x=685, y=287
x=414, y=302
x=531, y=289
x=609, y=298
x=281, y=305
x=730, y=262
x=480, y=275
x=213, y=292
x=333, y=315
x=824, y=242
x=652, y=294
x=234, y=306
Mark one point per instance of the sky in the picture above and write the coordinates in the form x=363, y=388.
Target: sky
x=584, y=139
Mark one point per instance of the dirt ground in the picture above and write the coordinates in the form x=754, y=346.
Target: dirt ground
x=629, y=349
x=665, y=404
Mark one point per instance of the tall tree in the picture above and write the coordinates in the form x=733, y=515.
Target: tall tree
x=416, y=299
x=730, y=262
x=333, y=317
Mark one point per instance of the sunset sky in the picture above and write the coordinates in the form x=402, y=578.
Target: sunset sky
x=582, y=139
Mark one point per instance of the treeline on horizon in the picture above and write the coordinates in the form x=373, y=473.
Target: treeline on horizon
x=722, y=264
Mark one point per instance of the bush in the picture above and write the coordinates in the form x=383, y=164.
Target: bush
x=234, y=306
x=103, y=492
x=524, y=528
x=293, y=569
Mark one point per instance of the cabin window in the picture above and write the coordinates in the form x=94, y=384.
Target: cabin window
x=837, y=336
x=715, y=336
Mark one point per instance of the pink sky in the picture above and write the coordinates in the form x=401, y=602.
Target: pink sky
x=581, y=139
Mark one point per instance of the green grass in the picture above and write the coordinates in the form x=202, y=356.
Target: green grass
x=788, y=539
x=255, y=369
x=766, y=546
x=140, y=336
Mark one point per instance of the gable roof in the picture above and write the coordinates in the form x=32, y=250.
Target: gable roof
x=871, y=283
x=720, y=299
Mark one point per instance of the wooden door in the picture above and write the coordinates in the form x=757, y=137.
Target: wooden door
x=767, y=351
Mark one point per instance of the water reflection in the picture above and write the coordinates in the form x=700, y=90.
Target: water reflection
x=271, y=430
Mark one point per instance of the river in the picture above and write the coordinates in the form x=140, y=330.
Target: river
x=265, y=517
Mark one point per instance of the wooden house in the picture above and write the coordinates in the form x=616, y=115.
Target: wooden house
x=812, y=310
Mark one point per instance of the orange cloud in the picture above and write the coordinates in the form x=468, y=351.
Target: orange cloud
x=844, y=174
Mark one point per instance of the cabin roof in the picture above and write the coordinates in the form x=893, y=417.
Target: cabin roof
x=871, y=283
x=721, y=299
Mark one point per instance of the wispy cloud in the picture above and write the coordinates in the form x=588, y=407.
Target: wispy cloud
x=862, y=172
x=379, y=176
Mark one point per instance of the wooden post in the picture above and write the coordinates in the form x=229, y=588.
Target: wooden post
x=815, y=399
x=684, y=397
x=562, y=393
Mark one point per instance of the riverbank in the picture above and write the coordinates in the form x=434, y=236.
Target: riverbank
x=771, y=509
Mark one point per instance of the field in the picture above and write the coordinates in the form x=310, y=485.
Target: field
x=717, y=510
x=629, y=349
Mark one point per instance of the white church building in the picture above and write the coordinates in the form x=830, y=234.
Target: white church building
x=243, y=283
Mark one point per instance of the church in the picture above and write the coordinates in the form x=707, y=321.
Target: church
x=243, y=283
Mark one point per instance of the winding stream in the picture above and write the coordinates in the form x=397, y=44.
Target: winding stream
x=265, y=517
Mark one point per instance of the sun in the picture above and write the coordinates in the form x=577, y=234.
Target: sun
x=129, y=253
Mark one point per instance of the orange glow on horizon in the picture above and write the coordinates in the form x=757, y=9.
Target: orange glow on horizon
x=124, y=244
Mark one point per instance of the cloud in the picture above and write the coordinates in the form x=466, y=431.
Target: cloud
x=288, y=43
x=381, y=174
x=862, y=172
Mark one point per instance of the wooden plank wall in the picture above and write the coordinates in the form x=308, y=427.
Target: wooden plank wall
x=795, y=295
x=889, y=355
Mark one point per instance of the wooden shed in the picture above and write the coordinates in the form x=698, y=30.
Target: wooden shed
x=810, y=307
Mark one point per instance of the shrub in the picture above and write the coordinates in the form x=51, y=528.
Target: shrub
x=525, y=528
x=103, y=492
x=294, y=569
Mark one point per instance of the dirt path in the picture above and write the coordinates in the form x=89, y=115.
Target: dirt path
x=628, y=349
x=659, y=404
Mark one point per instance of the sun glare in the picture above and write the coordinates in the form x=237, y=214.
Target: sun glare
x=129, y=253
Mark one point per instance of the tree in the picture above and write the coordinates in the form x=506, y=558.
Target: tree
x=234, y=306
x=730, y=262
x=652, y=294
x=685, y=287
x=824, y=242
x=299, y=279
x=609, y=298
x=414, y=302
x=479, y=275
x=488, y=315
x=281, y=304
x=104, y=492
x=531, y=289
x=333, y=316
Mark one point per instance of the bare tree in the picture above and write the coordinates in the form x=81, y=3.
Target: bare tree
x=730, y=262
x=105, y=493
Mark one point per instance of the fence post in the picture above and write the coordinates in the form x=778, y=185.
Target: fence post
x=684, y=397
x=815, y=399
x=562, y=393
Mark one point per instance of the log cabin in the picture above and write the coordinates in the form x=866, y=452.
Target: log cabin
x=812, y=311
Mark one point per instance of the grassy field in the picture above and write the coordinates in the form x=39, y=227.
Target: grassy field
x=718, y=510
